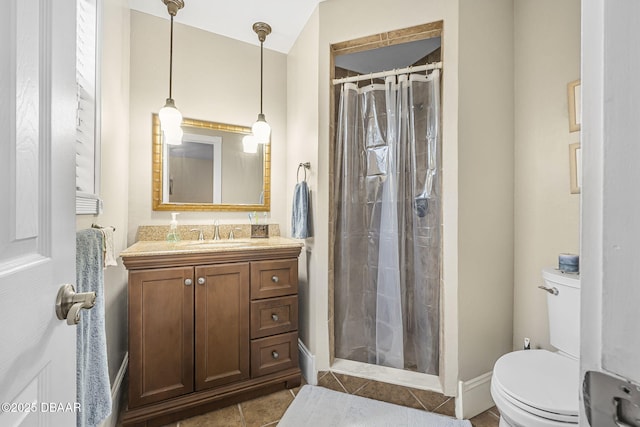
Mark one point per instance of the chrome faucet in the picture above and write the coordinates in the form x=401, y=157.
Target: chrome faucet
x=216, y=230
x=200, y=234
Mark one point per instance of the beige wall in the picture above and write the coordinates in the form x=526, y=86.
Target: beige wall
x=485, y=174
x=302, y=135
x=214, y=78
x=546, y=214
x=114, y=171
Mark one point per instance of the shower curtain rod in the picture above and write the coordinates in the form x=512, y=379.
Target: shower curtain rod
x=395, y=72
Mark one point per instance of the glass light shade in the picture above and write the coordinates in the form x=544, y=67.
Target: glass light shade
x=170, y=117
x=173, y=136
x=249, y=144
x=261, y=130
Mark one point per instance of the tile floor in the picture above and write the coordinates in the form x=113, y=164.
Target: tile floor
x=267, y=410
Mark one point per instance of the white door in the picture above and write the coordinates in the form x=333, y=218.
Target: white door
x=37, y=221
x=610, y=264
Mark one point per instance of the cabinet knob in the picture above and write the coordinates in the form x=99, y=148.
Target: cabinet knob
x=274, y=317
x=274, y=279
x=188, y=282
x=275, y=354
x=201, y=280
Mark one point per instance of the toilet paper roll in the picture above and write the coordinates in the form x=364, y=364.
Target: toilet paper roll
x=569, y=263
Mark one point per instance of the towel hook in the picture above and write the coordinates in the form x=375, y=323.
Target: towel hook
x=305, y=165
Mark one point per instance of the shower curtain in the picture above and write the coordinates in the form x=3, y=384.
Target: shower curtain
x=388, y=223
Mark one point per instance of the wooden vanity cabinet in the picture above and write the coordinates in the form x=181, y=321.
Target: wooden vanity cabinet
x=209, y=330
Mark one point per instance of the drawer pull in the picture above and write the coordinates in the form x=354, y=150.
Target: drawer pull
x=275, y=354
x=188, y=282
x=274, y=317
x=201, y=280
x=274, y=279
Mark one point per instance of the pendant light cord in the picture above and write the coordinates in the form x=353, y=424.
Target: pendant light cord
x=261, y=67
x=171, y=59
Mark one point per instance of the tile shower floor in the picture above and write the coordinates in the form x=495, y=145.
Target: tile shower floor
x=267, y=410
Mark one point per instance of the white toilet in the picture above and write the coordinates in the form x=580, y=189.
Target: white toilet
x=539, y=388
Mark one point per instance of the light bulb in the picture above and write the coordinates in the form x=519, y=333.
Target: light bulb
x=173, y=136
x=170, y=117
x=249, y=144
x=261, y=130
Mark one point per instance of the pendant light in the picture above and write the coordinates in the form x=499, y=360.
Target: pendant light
x=170, y=117
x=261, y=129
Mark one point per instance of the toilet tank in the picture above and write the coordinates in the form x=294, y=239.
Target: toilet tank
x=564, y=310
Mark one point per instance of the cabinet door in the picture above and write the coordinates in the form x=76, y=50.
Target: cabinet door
x=160, y=334
x=222, y=324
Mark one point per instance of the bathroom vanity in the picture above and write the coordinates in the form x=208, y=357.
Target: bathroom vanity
x=210, y=324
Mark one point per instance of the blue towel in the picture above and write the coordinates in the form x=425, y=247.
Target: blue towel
x=93, y=391
x=300, y=212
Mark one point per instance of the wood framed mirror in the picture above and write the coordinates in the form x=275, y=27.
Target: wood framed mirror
x=209, y=171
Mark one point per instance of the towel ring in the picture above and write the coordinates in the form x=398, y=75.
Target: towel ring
x=305, y=165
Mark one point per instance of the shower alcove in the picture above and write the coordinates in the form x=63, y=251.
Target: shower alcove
x=360, y=309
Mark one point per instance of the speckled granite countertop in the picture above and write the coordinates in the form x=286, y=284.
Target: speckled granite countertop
x=161, y=247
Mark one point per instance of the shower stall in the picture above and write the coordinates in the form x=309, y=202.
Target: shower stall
x=387, y=228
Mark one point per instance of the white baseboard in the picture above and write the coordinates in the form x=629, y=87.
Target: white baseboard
x=474, y=396
x=307, y=364
x=116, y=394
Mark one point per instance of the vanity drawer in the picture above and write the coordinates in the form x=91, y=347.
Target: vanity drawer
x=273, y=354
x=274, y=278
x=274, y=316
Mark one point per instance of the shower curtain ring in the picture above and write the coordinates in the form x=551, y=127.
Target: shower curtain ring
x=371, y=77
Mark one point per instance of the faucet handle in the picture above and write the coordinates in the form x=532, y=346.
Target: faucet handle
x=231, y=235
x=200, y=234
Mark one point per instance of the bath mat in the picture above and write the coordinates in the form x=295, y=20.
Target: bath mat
x=321, y=407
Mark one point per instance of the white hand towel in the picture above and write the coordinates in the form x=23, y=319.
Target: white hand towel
x=109, y=249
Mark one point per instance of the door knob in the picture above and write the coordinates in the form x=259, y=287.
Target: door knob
x=201, y=280
x=69, y=303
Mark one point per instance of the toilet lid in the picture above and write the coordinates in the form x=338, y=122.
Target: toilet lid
x=547, y=383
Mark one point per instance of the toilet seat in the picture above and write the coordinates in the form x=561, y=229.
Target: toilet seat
x=539, y=382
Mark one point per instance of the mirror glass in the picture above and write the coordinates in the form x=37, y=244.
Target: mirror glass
x=209, y=170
